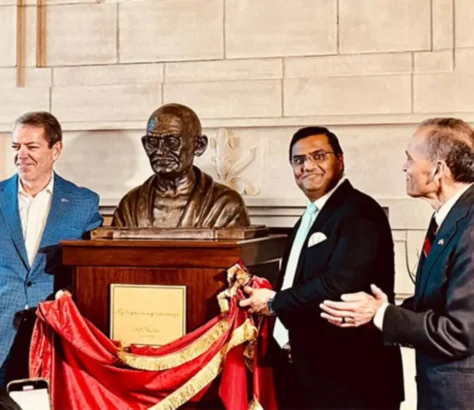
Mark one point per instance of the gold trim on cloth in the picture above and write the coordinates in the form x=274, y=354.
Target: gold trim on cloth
x=255, y=405
x=197, y=348
x=249, y=354
x=237, y=277
x=244, y=333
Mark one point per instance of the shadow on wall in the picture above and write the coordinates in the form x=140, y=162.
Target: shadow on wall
x=103, y=161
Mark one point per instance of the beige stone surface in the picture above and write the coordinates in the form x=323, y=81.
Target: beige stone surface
x=348, y=65
x=81, y=34
x=96, y=168
x=171, y=30
x=230, y=99
x=117, y=74
x=106, y=103
x=443, y=24
x=7, y=36
x=21, y=100
x=54, y=2
x=409, y=372
x=347, y=95
x=33, y=77
x=269, y=28
x=403, y=283
x=464, y=60
x=224, y=70
x=374, y=156
x=434, y=61
x=5, y=158
x=464, y=12
x=444, y=93
x=384, y=25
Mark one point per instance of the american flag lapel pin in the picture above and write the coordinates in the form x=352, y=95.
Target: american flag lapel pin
x=64, y=200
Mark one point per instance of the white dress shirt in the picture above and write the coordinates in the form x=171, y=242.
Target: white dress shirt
x=34, y=213
x=439, y=216
x=280, y=333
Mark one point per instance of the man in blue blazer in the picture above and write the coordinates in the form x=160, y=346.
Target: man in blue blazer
x=38, y=209
x=438, y=321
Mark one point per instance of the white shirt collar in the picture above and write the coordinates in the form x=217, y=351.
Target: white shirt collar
x=48, y=188
x=322, y=201
x=443, y=212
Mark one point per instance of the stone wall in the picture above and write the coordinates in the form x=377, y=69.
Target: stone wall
x=368, y=69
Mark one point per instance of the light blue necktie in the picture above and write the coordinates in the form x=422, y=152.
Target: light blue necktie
x=280, y=333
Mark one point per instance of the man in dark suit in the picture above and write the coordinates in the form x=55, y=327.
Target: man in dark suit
x=38, y=209
x=338, y=246
x=439, y=320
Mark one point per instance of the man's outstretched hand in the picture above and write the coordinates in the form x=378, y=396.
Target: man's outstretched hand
x=355, y=309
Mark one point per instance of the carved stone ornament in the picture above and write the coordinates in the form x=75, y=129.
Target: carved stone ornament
x=228, y=169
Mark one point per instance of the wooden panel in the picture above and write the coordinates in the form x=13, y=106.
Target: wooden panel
x=198, y=265
x=149, y=257
x=209, y=254
x=91, y=286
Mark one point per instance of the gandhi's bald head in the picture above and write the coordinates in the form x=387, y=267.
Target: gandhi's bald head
x=173, y=138
x=187, y=117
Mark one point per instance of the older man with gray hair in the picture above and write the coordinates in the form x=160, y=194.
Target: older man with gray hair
x=438, y=321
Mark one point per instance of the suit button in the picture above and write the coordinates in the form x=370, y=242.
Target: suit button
x=29, y=283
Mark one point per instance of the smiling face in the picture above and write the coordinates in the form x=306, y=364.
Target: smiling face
x=32, y=156
x=316, y=168
x=420, y=171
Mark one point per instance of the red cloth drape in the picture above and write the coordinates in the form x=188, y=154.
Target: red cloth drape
x=86, y=370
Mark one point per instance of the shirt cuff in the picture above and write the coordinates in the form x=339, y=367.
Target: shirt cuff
x=379, y=315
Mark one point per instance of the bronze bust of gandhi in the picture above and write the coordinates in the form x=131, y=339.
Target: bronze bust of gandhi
x=178, y=195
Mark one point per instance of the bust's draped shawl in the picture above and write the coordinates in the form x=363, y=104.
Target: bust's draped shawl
x=88, y=371
x=210, y=205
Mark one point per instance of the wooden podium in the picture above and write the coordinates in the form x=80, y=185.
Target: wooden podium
x=197, y=264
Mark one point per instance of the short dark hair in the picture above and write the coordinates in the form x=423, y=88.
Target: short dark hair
x=452, y=140
x=309, y=131
x=42, y=119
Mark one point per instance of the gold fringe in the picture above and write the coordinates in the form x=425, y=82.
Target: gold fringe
x=244, y=333
x=222, y=300
x=237, y=277
x=197, y=348
x=249, y=353
x=255, y=405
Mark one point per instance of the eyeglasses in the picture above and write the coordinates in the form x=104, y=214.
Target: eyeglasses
x=170, y=141
x=315, y=156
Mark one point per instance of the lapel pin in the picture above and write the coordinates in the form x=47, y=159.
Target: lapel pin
x=441, y=242
x=64, y=200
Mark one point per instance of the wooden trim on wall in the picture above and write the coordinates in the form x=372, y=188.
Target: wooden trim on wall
x=20, y=42
x=40, y=33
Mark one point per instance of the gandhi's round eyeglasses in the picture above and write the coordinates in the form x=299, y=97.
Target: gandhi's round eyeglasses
x=169, y=141
x=315, y=156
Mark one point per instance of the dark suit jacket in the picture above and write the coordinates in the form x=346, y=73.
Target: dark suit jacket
x=439, y=320
x=346, y=368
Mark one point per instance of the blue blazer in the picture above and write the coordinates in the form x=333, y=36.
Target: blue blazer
x=73, y=212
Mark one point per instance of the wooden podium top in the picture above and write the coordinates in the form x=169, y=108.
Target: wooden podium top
x=167, y=243
x=220, y=253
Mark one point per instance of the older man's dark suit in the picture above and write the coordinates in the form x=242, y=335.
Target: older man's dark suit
x=439, y=320
x=333, y=367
